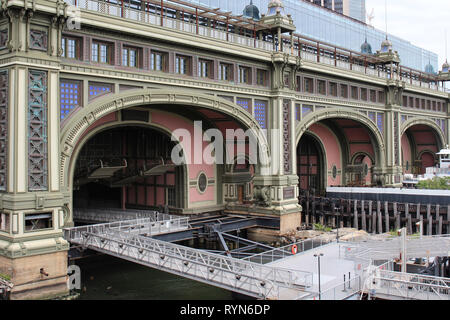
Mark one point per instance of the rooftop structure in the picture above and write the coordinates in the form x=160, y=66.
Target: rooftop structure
x=331, y=27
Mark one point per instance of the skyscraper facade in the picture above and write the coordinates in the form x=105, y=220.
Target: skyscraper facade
x=330, y=27
x=355, y=9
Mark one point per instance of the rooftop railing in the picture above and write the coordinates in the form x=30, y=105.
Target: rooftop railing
x=213, y=23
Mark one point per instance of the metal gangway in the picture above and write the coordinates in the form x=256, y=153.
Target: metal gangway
x=131, y=240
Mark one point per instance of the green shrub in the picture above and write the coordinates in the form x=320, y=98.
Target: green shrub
x=435, y=184
x=320, y=227
x=5, y=276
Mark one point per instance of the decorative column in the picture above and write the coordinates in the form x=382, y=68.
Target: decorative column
x=276, y=193
x=31, y=203
x=393, y=174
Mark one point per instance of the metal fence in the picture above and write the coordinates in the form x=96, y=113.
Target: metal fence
x=342, y=291
x=287, y=251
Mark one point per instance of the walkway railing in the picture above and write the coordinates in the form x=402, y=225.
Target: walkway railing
x=287, y=251
x=341, y=291
x=159, y=224
x=114, y=214
x=384, y=281
x=416, y=247
x=412, y=286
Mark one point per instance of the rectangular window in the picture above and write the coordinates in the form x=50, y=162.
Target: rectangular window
x=261, y=113
x=244, y=103
x=205, y=68
x=261, y=77
x=158, y=61
x=309, y=85
x=70, y=96
x=344, y=91
x=428, y=104
x=439, y=107
x=183, y=65
x=373, y=96
x=3, y=38
x=101, y=52
x=417, y=103
x=411, y=102
x=225, y=71
x=405, y=101
x=434, y=105
x=38, y=221
x=333, y=89
x=355, y=95
x=322, y=87
x=364, y=94
x=4, y=222
x=245, y=75
x=423, y=104
x=71, y=48
x=381, y=97
x=130, y=57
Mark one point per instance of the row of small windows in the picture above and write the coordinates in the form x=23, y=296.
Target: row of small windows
x=424, y=104
x=71, y=98
x=102, y=52
x=339, y=90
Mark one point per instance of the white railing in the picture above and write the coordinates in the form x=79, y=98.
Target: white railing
x=341, y=291
x=159, y=224
x=416, y=247
x=287, y=251
x=412, y=286
x=113, y=214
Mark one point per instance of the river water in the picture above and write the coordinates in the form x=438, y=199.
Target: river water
x=108, y=278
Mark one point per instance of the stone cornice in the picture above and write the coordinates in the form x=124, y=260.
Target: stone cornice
x=161, y=79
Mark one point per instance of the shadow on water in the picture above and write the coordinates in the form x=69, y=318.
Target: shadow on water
x=109, y=278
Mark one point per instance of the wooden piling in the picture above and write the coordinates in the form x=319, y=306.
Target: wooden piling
x=374, y=217
x=363, y=216
x=355, y=216
x=430, y=220
x=386, y=216
x=397, y=217
x=408, y=218
x=380, y=223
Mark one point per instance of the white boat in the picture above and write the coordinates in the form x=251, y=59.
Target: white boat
x=441, y=170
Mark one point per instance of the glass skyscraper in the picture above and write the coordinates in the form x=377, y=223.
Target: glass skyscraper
x=327, y=26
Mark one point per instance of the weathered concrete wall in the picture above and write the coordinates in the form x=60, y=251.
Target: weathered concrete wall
x=29, y=283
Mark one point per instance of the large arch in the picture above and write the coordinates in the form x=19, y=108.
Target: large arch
x=77, y=125
x=421, y=139
x=427, y=122
x=331, y=113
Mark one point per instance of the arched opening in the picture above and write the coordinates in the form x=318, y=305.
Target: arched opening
x=337, y=151
x=128, y=167
x=363, y=175
x=243, y=174
x=310, y=159
x=420, y=143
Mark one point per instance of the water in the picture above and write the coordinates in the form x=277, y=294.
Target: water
x=110, y=278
